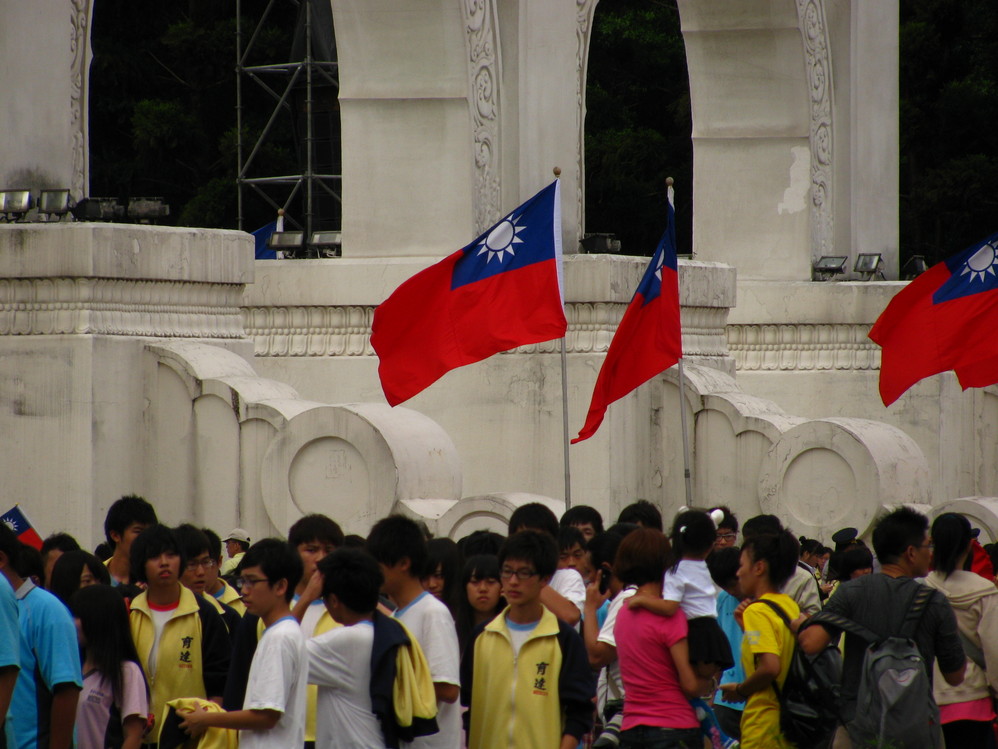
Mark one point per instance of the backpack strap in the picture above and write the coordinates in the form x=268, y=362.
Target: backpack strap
x=915, y=612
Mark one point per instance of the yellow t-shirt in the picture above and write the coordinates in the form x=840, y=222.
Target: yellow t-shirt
x=765, y=632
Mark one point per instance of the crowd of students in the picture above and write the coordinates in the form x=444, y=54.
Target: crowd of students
x=560, y=634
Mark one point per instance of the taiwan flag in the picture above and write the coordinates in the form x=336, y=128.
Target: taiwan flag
x=648, y=340
x=18, y=522
x=945, y=319
x=501, y=291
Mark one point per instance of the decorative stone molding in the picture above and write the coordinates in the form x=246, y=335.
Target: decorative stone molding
x=79, y=46
x=484, y=512
x=96, y=306
x=484, y=75
x=802, y=347
x=584, y=21
x=814, y=34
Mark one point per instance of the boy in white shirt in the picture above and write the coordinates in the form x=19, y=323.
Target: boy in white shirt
x=273, y=713
x=340, y=659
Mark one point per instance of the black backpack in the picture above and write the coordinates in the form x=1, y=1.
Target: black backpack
x=810, y=700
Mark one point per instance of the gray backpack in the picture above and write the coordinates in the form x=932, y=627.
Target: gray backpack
x=895, y=707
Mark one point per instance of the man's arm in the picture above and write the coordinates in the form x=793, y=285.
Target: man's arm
x=814, y=639
x=63, y=717
x=600, y=653
x=313, y=590
x=446, y=692
x=8, y=678
x=657, y=606
x=560, y=606
x=767, y=668
x=199, y=720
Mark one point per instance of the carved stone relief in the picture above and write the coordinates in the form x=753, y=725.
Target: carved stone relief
x=584, y=19
x=79, y=43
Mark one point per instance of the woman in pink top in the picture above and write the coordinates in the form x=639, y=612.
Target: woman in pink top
x=653, y=654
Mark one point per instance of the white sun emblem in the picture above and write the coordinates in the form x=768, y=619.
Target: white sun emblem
x=981, y=262
x=501, y=240
x=658, y=267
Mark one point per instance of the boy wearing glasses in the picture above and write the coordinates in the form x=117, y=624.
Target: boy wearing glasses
x=398, y=545
x=525, y=674
x=273, y=713
x=181, y=640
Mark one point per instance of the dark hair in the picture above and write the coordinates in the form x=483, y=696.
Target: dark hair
x=126, y=511
x=103, y=617
x=723, y=565
x=582, y=515
x=10, y=546
x=214, y=543
x=278, y=560
x=951, y=537
x=476, y=567
x=395, y=538
x=29, y=563
x=67, y=570
x=603, y=547
x=809, y=546
x=481, y=542
x=153, y=541
x=842, y=564
x=780, y=551
x=642, y=557
x=569, y=536
x=729, y=521
x=693, y=532
x=353, y=576
x=896, y=531
x=60, y=541
x=444, y=553
x=642, y=513
x=761, y=524
x=534, y=516
x=192, y=540
x=354, y=541
x=534, y=547
x=103, y=550
x=316, y=527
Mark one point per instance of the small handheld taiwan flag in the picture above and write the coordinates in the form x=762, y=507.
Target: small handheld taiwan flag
x=501, y=291
x=17, y=521
x=649, y=339
x=945, y=319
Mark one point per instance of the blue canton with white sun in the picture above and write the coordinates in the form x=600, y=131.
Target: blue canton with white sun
x=972, y=272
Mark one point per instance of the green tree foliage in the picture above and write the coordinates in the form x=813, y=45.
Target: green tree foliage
x=638, y=124
x=949, y=142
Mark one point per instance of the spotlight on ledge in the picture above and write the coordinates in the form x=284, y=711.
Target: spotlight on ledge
x=868, y=265
x=54, y=203
x=286, y=243
x=600, y=243
x=147, y=210
x=828, y=266
x=914, y=267
x=15, y=204
x=327, y=243
x=98, y=209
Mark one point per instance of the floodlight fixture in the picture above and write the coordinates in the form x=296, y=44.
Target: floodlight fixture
x=868, y=265
x=827, y=266
x=98, y=209
x=327, y=243
x=147, y=210
x=16, y=203
x=286, y=241
x=600, y=243
x=914, y=267
x=54, y=202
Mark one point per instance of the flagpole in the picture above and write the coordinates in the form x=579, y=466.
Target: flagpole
x=687, y=475
x=564, y=400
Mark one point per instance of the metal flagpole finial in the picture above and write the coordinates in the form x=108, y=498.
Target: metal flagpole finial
x=557, y=171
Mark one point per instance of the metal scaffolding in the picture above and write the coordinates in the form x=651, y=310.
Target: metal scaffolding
x=310, y=199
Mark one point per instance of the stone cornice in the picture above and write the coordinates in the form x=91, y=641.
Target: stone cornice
x=802, y=347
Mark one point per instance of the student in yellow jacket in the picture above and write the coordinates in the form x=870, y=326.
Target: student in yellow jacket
x=525, y=677
x=180, y=639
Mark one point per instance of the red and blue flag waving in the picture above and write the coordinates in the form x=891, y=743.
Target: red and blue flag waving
x=649, y=338
x=501, y=291
x=18, y=522
x=945, y=319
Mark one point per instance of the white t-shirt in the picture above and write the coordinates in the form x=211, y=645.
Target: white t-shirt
x=311, y=617
x=614, y=684
x=518, y=633
x=339, y=663
x=431, y=624
x=569, y=583
x=159, y=619
x=691, y=585
x=277, y=681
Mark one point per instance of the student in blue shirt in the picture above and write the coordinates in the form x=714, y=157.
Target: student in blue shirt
x=50, y=678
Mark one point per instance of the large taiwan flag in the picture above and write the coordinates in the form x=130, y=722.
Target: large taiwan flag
x=501, y=291
x=649, y=338
x=17, y=521
x=945, y=319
